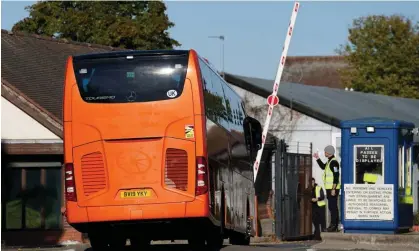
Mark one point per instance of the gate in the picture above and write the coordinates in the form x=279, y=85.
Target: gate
x=293, y=173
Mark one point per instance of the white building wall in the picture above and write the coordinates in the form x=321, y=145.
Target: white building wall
x=16, y=124
x=294, y=127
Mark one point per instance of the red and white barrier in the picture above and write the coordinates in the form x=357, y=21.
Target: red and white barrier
x=273, y=99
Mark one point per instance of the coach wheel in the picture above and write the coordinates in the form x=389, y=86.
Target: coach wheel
x=139, y=243
x=242, y=239
x=222, y=214
x=215, y=239
x=239, y=239
x=197, y=243
x=117, y=242
x=98, y=243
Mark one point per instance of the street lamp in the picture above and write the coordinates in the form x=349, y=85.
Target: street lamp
x=222, y=50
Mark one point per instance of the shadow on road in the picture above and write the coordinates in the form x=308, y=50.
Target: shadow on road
x=162, y=247
x=258, y=247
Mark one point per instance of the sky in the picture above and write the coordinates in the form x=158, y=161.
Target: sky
x=255, y=31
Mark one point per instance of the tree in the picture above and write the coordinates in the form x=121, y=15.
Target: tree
x=125, y=24
x=383, y=56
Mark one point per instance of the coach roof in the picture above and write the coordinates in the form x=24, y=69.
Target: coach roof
x=130, y=53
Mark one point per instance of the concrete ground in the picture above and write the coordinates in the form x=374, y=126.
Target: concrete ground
x=387, y=242
x=184, y=247
x=331, y=242
x=291, y=246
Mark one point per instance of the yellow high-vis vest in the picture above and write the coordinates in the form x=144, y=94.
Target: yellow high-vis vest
x=328, y=176
x=370, y=178
x=321, y=203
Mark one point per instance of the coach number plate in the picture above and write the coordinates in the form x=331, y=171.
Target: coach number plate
x=136, y=193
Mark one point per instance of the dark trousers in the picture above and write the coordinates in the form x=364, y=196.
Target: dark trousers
x=319, y=222
x=332, y=201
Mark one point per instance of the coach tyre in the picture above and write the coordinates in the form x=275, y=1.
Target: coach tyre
x=197, y=243
x=98, y=242
x=117, y=242
x=215, y=239
x=139, y=243
x=237, y=238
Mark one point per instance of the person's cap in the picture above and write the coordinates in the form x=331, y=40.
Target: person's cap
x=329, y=149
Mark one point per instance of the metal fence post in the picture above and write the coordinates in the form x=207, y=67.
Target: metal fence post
x=278, y=189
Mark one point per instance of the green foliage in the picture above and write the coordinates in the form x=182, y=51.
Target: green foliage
x=125, y=24
x=383, y=56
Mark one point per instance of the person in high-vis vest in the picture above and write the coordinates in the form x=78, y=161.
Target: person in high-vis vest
x=371, y=177
x=319, y=209
x=331, y=181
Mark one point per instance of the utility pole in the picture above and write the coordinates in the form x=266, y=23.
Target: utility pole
x=221, y=37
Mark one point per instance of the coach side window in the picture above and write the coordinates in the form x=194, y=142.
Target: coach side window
x=206, y=75
x=215, y=105
x=232, y=109
x=228, y=93
x=239, y=112
x=208, y=90
x=219, y=100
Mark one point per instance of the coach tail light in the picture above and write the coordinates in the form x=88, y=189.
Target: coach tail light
x=70, y=184
x=201, y=176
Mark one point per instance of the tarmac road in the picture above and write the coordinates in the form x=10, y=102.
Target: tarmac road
x=292, y=246
x=183, y=247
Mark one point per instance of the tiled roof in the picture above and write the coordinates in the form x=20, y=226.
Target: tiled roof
x=333, y=105
x=35, y=65
x=316, y=71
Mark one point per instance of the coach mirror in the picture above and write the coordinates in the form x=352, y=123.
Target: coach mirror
x=253, y=133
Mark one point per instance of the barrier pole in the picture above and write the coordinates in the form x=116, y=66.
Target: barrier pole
x=273, y=100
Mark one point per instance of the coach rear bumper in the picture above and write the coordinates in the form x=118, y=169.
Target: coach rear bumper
x=197, y=208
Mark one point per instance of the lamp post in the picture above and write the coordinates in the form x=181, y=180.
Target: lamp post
x=221, y=37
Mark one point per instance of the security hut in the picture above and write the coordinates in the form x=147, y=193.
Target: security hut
x=377, y=175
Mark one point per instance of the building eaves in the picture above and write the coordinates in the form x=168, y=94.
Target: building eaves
x=31, y=108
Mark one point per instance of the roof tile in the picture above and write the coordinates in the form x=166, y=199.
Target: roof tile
x=36, y=64
x=333, y=105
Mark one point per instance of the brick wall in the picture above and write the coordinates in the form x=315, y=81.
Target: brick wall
x=70, y=234
x=41, y=238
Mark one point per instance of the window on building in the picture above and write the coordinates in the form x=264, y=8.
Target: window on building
x=337, y=142
x=13, y=199
x=53, y=201
x=338, y=147
x=33, y=194
x=408, y=168
x=33, y=200
x=401, y=166
x=369, y=164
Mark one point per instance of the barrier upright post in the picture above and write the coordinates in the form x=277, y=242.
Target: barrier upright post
x=273, y=98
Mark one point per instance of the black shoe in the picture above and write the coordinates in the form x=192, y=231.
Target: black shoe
x=332, y=229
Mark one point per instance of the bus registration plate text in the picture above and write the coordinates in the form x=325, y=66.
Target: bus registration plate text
x=136, y=193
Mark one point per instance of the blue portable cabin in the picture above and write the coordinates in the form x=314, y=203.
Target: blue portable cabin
x=382, y=147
